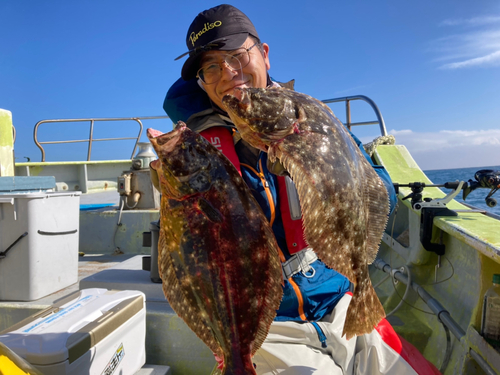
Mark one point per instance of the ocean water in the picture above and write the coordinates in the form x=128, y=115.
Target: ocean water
x=476, y=197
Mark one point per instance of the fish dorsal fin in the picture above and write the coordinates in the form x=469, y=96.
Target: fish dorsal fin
x=378, y=210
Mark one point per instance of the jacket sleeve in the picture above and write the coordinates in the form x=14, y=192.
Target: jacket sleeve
x=222, y=139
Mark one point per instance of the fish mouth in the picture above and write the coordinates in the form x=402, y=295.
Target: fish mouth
x=239, y=102
x=182, y=168
x=153, y=133
x=170, y=139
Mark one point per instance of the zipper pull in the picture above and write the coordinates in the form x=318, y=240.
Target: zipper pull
x=321, y=334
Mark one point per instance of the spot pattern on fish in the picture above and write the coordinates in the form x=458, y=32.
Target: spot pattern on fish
x=344, y=203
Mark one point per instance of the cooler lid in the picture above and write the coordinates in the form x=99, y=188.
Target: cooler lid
x=26, y=184
x=37, y=195
x=73, y=325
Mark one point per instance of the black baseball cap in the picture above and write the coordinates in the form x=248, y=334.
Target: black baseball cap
x=223, y=27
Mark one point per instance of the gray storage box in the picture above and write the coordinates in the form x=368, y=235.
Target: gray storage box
x=93, y=331
x=38, y=244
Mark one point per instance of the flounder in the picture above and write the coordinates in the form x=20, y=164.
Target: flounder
x=217, y=255
x=344, y=203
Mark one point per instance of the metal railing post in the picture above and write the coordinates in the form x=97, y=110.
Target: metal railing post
x=348, y=113
x=90, y=139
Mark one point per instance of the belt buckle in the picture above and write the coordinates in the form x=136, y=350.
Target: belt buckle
x=311, y=275
x=300, y=262
x=304, y=265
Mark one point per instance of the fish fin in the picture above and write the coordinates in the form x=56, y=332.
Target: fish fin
x=216, y=370
x=365, y=310
x=378, y=211
x=176, y=296
x=210, y=211
x=287, y=85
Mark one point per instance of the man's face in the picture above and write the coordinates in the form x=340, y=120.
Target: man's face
x=252, y=75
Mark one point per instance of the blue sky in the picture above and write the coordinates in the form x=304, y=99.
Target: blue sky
x=432, y=67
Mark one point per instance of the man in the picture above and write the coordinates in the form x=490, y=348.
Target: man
x=225, y=52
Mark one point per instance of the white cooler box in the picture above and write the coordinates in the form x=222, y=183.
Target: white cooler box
x=38, y=244
x=93, y=331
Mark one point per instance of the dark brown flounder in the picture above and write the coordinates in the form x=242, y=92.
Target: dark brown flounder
x=217, y=255
x=344, y=202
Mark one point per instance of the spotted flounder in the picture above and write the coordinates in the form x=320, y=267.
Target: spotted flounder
x=344, y=203
x=217, y=255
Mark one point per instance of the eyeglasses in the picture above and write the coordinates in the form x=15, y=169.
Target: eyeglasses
x=235, y=60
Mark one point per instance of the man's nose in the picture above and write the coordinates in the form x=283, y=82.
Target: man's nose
x=227, y=71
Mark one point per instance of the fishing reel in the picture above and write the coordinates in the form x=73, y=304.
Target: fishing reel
x=418, y=187
x=485, y=178
x=430, y=208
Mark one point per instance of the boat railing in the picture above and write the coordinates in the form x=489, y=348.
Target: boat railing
x=348, y=123
x=91, y=138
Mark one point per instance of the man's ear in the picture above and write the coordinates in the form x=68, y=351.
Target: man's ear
x=265, y=54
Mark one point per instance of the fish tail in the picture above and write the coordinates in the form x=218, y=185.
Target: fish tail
x=243, y=367
x=365, y=310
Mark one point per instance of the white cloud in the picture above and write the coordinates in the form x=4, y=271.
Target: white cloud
x=475, y=137
x=447, y=138
x=450, y=148
x=469, y=44
x=476, y=46
x=471, y=21
x=488, y=60
x=404, y=131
